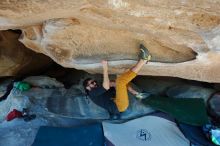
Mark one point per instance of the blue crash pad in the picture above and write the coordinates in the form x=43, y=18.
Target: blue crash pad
x=91, y=135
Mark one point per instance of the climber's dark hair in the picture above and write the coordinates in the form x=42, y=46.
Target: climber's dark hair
x=85, y=83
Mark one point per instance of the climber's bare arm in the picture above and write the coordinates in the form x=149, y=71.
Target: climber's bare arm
x=106, y=82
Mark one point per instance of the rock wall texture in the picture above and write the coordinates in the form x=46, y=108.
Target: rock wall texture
x=182, y=36
x=16, y=59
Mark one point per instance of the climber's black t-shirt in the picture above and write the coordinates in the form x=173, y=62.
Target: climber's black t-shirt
x=104, y=98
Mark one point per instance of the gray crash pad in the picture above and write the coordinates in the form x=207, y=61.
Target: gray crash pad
x=145, y=131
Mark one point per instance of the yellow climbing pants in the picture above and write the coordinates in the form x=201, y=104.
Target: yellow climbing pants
x=121, y=99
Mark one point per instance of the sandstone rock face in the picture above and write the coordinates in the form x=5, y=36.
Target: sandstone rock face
x=16, y=59
x=182, y=36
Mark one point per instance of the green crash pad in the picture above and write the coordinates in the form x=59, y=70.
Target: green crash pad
x=186, y=110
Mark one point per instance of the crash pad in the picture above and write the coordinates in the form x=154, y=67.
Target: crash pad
x=186, y=110
x=87, y=135
x=144, y=131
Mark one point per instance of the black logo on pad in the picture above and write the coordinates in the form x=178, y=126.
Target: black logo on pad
x=143, y=135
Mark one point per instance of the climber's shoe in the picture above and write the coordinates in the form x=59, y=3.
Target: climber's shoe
x=144, y=53
x=142, y=95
